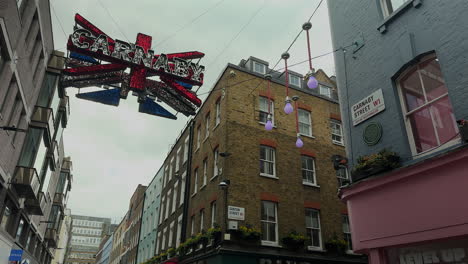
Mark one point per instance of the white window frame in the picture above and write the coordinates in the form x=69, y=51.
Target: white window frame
x=272, y=109
x=186, y=149
x=263, y=71
x=347, y=232
x=163, y=205
x=171, y=167
x=168, y=204
x=192, y=225
x=406, y=113
x=207, y=126
x=340, y=128
x=179, y=231
x=215, y=163
x=171, y=235
x=268, y=242
x=319, y=229
x=213, y=208
x=329, y=90
x=205, y=172
x=163, y=244
x=308, y=124
x=174, y=197
x=386, y=8
x=269, y=161
x=177, y=163
x=198, y=137
x=313, y=170
x=295, y=78
x=195, y=182
x=202, y=219
x=218, y=112
x=182, y=188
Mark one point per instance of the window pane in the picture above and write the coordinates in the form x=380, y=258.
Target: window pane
x=264, y=231
x=432, y=79
x=271, y=231
x=397, y=3
x=315, y=238
x=423, y=132
x=444, y=120
x=412, y=90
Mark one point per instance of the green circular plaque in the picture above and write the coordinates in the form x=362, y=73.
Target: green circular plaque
x=372, y=133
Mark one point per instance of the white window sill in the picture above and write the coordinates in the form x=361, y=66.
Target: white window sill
x=193, y=194
x=350, y=252
x=274, y=125
x=204, y=185
x=206, y=138
x=198, y=147
x=311, y=184
x=270, y=244
x=214, y=177
x=338, y=143
x=304, y=135
x=217, y=125
x=269, y=176
x=316, y=249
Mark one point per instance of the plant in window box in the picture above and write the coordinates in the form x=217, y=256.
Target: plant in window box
x=375, y=163
x=192, y=242
x=171, y=252
x=294, y=240
x=250, y=233
x=336, y=245
x=215, y=234
x=163, y=256
x=204, y=238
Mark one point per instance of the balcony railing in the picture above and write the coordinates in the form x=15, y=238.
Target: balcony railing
x=26, y=182
x=43, y=117
x=59, y=199
x=51, y=237
x=35, y=206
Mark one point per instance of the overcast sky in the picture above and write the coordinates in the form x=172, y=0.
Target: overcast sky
x=116, y=148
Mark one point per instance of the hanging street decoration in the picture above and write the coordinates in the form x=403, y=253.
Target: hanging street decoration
x=96, y=59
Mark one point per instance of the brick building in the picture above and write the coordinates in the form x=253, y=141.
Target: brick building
x=35, y=176
x=133, y=226
x=292, y=189
x=409, y=58
x=117, y=250
x=176, y=174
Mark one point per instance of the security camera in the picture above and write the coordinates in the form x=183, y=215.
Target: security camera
x=232, y=73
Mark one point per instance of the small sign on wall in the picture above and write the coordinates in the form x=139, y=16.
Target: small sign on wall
x=236, y=213
x=368, y=107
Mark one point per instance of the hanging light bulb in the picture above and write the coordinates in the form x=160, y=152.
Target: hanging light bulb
x=299, y=142
x=312, y=83
x=288, y=108
x=269, y=123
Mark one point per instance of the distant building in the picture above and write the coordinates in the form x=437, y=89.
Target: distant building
x=118, y=250
x=133, y=224
x=64, y=235
x=105, y=248
x=87, y=233
x=150, y=218
x=403, y=87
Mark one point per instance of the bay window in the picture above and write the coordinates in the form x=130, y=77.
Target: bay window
x=428, y=113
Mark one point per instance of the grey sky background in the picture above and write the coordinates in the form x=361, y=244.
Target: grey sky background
x=115, y=148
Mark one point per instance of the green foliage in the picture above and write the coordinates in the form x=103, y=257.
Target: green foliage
x=294, y=238
x=383, y=159
x=249, y=232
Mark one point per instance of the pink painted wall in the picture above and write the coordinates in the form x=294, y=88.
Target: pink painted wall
x=424, y=202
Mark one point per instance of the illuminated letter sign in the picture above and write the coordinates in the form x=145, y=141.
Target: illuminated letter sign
x=97, y=59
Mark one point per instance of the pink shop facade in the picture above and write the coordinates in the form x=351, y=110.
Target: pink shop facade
x=413, y=215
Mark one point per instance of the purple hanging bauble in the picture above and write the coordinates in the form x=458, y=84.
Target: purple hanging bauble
x=269, y=125
x=288, y=108
x=299, y=142
x=312, y=83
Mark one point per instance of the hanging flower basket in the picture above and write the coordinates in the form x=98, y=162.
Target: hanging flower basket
x=376, y=163
x=336, y=246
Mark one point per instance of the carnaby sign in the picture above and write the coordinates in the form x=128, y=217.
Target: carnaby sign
x=97, y=60
x=368, y=107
